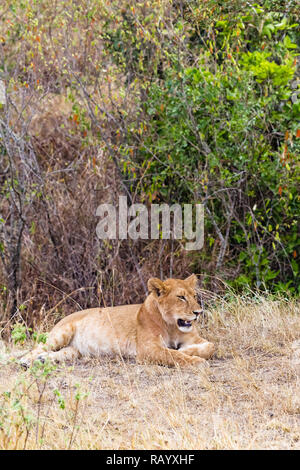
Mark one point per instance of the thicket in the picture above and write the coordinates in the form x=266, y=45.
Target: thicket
x=163, y=101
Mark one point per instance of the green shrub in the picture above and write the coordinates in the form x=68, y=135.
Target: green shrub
x=224, y=132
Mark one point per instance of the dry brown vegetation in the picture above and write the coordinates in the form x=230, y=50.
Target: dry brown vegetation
x=153, y=101
x=249, y=399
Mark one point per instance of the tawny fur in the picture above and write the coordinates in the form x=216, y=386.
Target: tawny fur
x=149, y=331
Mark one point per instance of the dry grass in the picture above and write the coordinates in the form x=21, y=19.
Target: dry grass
x=248, y=400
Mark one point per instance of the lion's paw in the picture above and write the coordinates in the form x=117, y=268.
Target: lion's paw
x=25, y=362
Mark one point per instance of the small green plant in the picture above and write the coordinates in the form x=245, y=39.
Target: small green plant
x=39, y=337
x=60, y=399
x=20, y=333
x=42, y=370
x=19, y=415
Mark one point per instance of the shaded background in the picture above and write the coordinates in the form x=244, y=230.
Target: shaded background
x=162, y=101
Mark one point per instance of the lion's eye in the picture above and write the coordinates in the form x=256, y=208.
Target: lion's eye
x=181, y=297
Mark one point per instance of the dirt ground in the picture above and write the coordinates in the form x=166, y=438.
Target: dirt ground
x=248, y=399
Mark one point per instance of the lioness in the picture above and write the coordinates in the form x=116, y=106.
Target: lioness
x=161, y=330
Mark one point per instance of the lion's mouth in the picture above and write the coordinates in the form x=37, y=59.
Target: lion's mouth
x=184, y=324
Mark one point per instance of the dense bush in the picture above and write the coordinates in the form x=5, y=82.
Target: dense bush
x=222, y=128
x=165, y=101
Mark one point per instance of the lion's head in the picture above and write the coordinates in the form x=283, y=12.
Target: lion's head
x=177, y=301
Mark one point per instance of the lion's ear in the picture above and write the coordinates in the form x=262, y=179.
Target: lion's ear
x=192, y=280
x=156, y=286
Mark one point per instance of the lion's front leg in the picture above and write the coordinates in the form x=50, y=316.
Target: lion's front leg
x=155, y=353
